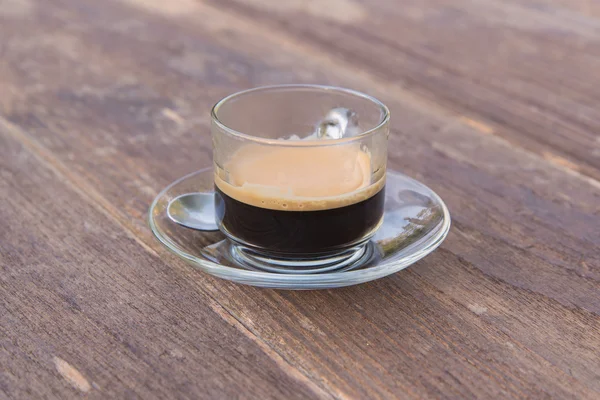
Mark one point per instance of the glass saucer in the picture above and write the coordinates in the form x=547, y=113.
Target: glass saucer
x=416, y=221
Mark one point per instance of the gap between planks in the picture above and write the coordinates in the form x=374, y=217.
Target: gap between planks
x=96, y=200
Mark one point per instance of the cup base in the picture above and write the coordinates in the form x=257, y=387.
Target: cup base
x=253, y=259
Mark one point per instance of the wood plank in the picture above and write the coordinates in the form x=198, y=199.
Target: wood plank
x=581, y=12
x=84, y=308
x=524, y=69
x=467, y=322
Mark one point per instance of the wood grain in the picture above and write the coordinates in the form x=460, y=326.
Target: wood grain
x=523, y=67
x=84, y=308
x=114, y=100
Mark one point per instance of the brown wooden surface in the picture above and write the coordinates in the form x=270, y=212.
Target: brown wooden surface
x=494, y=105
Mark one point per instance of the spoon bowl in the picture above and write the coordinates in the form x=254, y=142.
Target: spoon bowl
x=194, y=210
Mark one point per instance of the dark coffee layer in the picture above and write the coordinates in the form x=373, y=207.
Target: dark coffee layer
x=308, y=232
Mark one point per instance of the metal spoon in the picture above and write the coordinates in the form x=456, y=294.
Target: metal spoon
x=197, y=210
x=194, y=210
x=339, y=122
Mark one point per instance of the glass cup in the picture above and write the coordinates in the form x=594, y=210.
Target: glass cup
x=287, y=197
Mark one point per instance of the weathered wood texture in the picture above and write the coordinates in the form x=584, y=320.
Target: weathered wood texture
x=104, y=103
x=77, y=288
x=526, y=67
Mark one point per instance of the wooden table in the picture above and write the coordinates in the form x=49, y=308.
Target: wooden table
x=495, y=105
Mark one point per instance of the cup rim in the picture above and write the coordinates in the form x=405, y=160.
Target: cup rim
x=301, y=143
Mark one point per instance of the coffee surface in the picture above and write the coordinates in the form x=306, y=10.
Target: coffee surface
x=299, y=178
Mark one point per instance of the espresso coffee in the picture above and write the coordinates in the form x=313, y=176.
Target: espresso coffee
x=292, y=200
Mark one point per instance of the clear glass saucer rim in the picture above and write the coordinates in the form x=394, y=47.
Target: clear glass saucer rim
x=336, y=278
